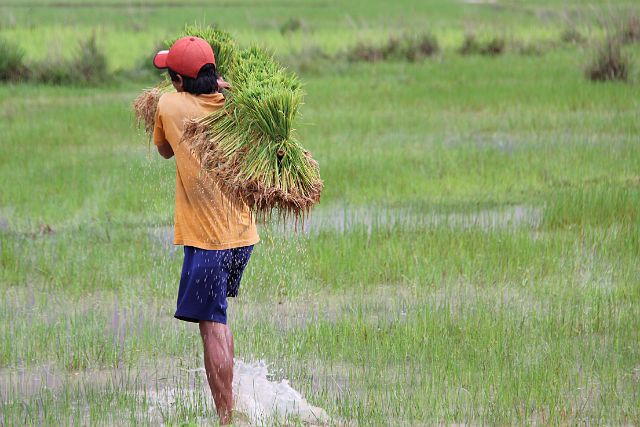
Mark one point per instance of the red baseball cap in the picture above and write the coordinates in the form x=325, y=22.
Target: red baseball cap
x=186, y=57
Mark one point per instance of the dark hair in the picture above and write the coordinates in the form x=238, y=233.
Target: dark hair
x=206, y=82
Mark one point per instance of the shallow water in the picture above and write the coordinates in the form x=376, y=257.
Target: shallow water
x=258, y=399
x=342, y=218
x=261, y=399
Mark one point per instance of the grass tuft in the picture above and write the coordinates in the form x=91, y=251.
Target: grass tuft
x=292, y=25
x=90, y=62
x=595, y=205
x=87, y=67
x=631, y=30
x=531, y=48
x=472, y=45
x=11, y=61
x=408, y=47
x=310, y=59
x=610, y=63
x=571, y=35
x=363, y=52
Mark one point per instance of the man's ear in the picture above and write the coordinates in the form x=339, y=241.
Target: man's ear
x=178, y=83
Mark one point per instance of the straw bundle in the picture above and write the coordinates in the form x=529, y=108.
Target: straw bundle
x=249, y=146
x=145, y=105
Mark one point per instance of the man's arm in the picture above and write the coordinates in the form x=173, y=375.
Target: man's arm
x=165, y=150
x=159, y=138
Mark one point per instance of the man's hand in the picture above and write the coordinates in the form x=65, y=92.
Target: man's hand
x=223, y=84
x=165, y=150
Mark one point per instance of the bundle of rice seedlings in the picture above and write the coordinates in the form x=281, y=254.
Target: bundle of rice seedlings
x=249, y=145
x=224, y=48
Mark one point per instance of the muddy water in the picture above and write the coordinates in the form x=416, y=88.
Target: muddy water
x=258, y=400
x=341, y=218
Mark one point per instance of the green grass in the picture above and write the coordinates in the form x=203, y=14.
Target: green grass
x=428, y=307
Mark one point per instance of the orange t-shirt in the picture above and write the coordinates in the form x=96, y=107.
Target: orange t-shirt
x=204, y=217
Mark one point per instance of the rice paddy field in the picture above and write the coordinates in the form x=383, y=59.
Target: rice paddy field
x=474, y=259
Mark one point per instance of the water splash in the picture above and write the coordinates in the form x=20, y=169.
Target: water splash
x=264, y=401
x=257, y=400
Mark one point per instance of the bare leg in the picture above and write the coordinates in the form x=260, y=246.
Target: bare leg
x=218, y=362
x=230, y=341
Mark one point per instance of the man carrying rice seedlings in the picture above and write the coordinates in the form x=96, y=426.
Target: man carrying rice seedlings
x=218, y=235
x=249, y=146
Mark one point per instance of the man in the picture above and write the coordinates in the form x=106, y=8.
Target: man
x=218, y=236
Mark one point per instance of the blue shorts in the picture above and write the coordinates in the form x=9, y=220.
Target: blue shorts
x=208, y=278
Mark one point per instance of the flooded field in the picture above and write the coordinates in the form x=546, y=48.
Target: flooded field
x=473, y=260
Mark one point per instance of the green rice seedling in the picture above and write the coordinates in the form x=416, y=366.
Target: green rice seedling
x=250, y=146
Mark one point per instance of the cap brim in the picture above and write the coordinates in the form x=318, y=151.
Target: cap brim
x=160, y=60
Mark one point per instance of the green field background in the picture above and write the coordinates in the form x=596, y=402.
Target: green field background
x=474, y=258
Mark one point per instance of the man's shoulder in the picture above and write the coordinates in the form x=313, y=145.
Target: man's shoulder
x=173, y=104
x=183, y=104
x=169, y=99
